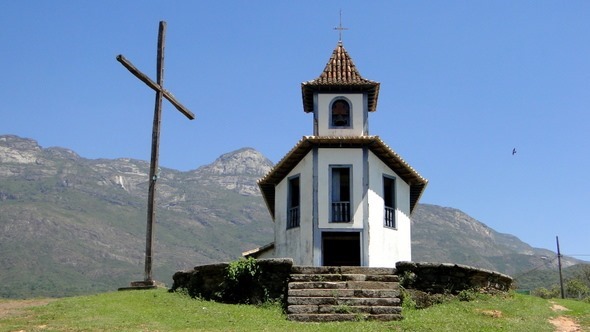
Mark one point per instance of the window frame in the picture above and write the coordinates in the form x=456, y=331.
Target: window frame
x=331, y=115
x=348, y=217
x=389, y=208
x=293, y=212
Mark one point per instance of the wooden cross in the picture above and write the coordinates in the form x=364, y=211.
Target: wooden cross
x=340, y=28
x=160, y=92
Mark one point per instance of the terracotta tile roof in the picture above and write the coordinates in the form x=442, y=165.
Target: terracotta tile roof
x=254, y=253
x=374, y=143
x=340, y=74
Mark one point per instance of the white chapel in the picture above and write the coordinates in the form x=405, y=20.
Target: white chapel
x=341, y=197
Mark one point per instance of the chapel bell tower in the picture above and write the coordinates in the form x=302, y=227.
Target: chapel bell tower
x=340, y=98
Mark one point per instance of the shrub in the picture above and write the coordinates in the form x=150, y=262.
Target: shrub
x=416, y=299
x=245, y=269
x=467, y=295
x=242, y=283
x=545, y=293
x=577, y=289
x=406, y=298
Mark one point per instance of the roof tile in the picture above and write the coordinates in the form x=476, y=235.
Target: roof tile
x=340, y=74
x=340, y=69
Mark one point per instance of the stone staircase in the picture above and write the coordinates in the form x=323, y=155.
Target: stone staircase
x=341, y=293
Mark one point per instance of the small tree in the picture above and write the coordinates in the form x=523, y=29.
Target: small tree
x=584, y=274
x=576, y=288
x=547, y=293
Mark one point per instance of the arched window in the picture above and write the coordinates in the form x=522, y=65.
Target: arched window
x=340, y=113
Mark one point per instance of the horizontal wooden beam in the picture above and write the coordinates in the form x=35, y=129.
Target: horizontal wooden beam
x=155, y=86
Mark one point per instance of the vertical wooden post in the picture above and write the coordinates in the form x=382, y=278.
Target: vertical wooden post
x=151, y=214
x=559, y=266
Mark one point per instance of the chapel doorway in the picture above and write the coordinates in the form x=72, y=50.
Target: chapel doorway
x=341, y=248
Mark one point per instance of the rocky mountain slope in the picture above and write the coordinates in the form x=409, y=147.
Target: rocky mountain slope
x=443, y=234
x=70, y=225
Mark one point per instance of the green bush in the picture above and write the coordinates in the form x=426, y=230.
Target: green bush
x=406, y=298
x=245, y=269
x=242, y=283
x=545, y=293
x=416, y=299
x=576, y=289
x=467, y=295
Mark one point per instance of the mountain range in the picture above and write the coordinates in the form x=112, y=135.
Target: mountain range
x=71, y=225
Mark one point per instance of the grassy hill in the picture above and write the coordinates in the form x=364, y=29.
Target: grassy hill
x=158, y=310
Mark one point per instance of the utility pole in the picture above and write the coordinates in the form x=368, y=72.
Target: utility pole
x=559, y=266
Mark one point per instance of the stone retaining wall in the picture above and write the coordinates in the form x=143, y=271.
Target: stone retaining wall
x=271, y=283
x=442, y=278
x=210, y=282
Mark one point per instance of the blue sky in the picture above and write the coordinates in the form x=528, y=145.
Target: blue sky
x=462, y=84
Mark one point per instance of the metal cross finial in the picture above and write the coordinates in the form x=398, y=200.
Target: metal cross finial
x=340, y=28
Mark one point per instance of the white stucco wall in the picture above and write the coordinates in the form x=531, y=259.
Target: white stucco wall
x=297, y=242
x=357, y=118
x=381, y=246
x=386, y=246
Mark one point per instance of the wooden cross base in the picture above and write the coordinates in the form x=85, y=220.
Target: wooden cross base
x=140, y=285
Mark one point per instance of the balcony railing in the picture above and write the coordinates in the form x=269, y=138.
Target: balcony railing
x=340, y=211
x=390, y=217
x=293, y=217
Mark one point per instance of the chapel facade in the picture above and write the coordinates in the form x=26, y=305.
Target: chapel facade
x=341, y=197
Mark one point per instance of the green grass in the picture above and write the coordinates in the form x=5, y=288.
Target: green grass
x=501, y=313
x=580, y=311
x=158, y=310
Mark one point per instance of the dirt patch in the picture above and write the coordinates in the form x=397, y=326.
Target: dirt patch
x=491, y=313
x=558, y=307
x=563, y=323
x=17, y=307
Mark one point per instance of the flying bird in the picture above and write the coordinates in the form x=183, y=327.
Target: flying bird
x=513, y=151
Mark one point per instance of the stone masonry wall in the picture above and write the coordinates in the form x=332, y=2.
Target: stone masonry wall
x=440, y=278
x=210, y=282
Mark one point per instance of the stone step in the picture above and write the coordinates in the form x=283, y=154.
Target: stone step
x=343, y=309
x=342, y=317
x=352, y=301
x=343, y=293
x=342, y=270
x=344, y=277
x=320, y=292
x=328, y=277
x=343, y=284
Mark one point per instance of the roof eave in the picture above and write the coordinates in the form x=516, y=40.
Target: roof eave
x=408, y=174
